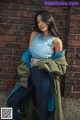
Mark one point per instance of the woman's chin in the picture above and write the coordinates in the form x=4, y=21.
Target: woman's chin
x=43, y=30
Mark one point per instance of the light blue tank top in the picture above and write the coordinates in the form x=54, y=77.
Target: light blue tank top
x=41, y=48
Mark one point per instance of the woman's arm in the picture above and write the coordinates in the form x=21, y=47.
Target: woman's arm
x=57, y=44
x=33, y=34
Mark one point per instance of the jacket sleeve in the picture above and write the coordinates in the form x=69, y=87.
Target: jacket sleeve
x=57, y=66
x=23, y=72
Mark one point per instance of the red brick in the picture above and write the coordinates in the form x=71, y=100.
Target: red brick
x=73, y=68
x=71, y=50
x=15, y=76
x=26, y=2
x=77, y=50
x=1, y=19
x=6, y=32
x=74, y=43
x=26, y=28
x=9, y=32
x=75, y=17
x=21, y=40
x=56, y=10
x=30, y=15
x=77, y=62
x=4, y=25
x=75, y=10
x=62, y=36
x=76, y=81
x=6, y=51
x=25, y=46
x=9, y=70
x=72, y=55
x=25, y=14
x=60, y=17
x=28, y=21
x=19, y=1
x=12, y=6
x=79, y=56
x=8, y=21
x=29, y=8
x=5, y=88
x=12, y=58
x=72, y=81
x=15, y=64
x=6, y=39
x=72, y=94
x=5, y=64
x=3, y=76
x=18, y=14
x=28, y=34
x=67, y=87
x=71, y=37
x=73, y=24
x=13, y=45
x=16, y=45
x=76, y=88
x=77, y=75
x=18, y=33
x=0, y=69
x=18, y=52
x=71, y=62
x=74, y=30
x=2, y=6
x=8, y=82
x=1, y=45
x=69, y=74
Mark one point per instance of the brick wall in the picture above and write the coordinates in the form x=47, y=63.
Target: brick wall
x=72, y=80
x=16, y=25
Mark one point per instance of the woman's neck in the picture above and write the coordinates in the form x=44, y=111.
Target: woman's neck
x=46, y=34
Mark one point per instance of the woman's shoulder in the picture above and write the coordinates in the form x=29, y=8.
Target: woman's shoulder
x=33, y=34
x=57, y=40
x=57, y=44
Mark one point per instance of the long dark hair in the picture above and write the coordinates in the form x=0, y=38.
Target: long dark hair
x=49, y=19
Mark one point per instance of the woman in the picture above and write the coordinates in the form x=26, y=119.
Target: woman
x=44, y=43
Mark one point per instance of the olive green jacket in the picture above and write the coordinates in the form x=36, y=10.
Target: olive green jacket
x=55, y=66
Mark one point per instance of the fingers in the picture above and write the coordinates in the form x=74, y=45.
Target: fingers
x=24, y=85
x=34, y=61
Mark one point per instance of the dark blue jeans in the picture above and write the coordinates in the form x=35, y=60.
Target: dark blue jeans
x=40, y=80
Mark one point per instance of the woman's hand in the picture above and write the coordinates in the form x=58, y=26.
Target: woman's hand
x=34, y=61
x=24, y=84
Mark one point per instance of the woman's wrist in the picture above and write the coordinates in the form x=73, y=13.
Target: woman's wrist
x=34, y=62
